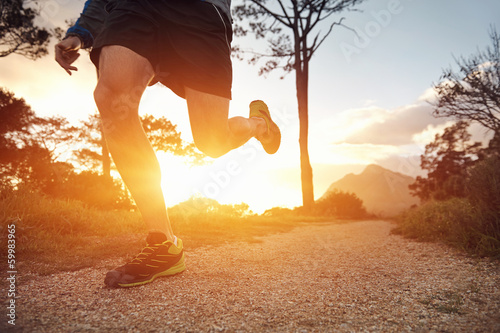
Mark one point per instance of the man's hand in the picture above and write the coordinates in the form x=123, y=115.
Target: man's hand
x=67, y=53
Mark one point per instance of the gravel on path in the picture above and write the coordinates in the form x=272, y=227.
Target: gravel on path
x=353, y=277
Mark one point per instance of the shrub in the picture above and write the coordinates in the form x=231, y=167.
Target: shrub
x=340, y=204
x=483, y=185
x=456, y=221
x=484, y=193
x=471, y=223
x=279, y=212
x=94, y=190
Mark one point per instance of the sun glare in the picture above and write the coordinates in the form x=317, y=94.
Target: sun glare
x=176, y=178
x=228, y=182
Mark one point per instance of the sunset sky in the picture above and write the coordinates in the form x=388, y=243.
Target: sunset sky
x=367, y=99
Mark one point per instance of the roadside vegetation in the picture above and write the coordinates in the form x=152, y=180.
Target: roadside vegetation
x=54, y=234
x=471, y=222
x=461, y=191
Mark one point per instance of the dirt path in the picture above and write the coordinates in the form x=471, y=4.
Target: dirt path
x=330, y=277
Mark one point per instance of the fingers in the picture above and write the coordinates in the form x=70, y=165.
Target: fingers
x=67, y=52
x=65, y=60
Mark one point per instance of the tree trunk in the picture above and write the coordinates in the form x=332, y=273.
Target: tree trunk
x=302, y=85
x=305, y=164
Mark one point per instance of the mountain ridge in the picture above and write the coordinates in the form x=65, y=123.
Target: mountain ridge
x=384, y=192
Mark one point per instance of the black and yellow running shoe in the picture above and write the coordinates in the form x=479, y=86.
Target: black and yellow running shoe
x=272, y=139
x=158, y=258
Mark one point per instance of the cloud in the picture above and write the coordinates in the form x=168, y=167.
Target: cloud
x=429, y=96
x=395, y=127
x=429, y=133
x=339, y=126
x=346, y=153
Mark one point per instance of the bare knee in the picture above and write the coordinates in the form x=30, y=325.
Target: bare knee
x=211, y=138
x=123, y=77
x=115, y=107
x=101, y=98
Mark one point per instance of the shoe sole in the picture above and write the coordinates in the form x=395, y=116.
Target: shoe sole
x=273, y=146
x=174, y=270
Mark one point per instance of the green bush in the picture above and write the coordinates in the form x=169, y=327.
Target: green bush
x=484, y=193
x=456, y=221
x=340, y=204
x=484, y=185
x=95, y=190
x=471, y=223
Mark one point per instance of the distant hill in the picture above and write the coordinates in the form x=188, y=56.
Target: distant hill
x=383, y=191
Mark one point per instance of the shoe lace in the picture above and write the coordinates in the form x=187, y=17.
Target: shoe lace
x=144, y=254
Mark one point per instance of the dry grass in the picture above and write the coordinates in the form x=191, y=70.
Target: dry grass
x=60, y=235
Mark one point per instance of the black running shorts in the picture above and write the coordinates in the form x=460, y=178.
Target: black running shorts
x=186, y=41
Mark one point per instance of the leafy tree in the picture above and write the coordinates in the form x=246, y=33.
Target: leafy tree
x=31, y=147
x=15, y=120
x=36, y=154
x=473, y=93
x=96, y=190
x=493, y=149
x=18, y=32
x=37, y=170
x=15, y=116
x=94, y=152
x=293, y=33
x=446, y=161
x=162, y=134
x=56, y=135
x=483, y=186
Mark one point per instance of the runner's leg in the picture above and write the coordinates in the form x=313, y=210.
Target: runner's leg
x=123, y=77
x=213, y=133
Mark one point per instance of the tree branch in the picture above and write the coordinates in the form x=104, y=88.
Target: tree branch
x=273, y=14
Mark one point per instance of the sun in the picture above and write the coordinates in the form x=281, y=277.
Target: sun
x=226, y=180
x=177, y=178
